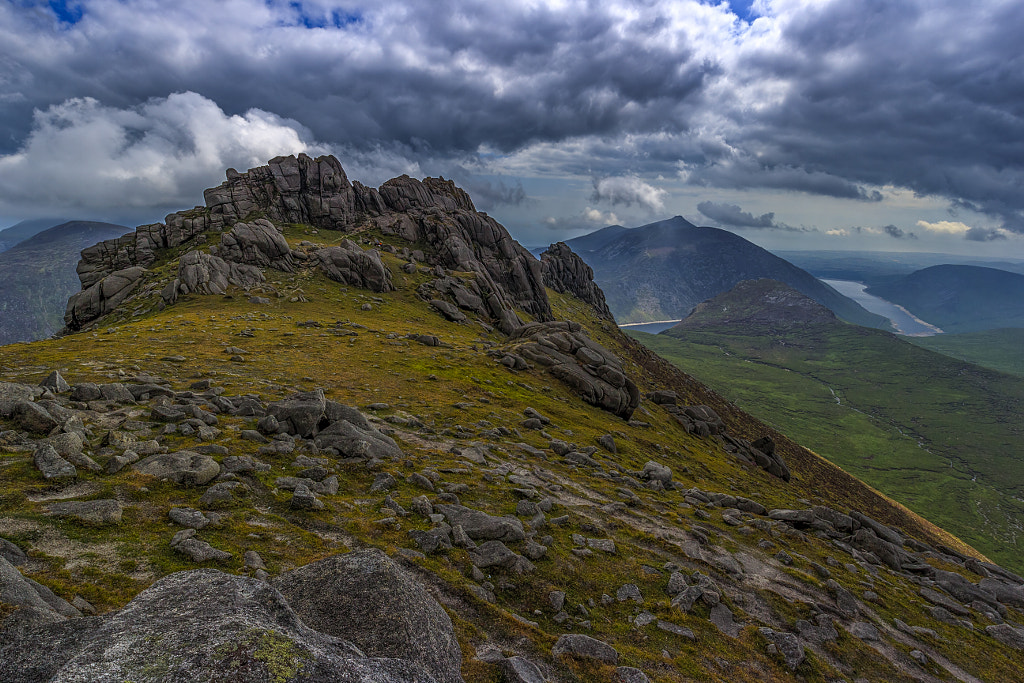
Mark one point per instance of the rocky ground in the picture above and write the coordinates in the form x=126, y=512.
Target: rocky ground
x=349, y=471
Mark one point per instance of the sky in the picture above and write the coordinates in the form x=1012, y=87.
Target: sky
x=799, y=124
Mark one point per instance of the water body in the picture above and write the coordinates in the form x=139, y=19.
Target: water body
x=904, y=321
x=651, y=328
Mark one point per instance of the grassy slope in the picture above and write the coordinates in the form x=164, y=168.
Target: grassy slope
x=1001, y=350
x=109, y=565
x=941, y=436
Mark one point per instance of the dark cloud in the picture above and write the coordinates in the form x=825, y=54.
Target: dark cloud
x=893, y=231
x=733, y=216
x=984, y=235
x=487, y=194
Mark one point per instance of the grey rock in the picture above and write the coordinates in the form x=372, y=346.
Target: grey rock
x=722, y=617
x=628, y=674
x=366, y=598
x=200, y=551
x=301, y=413
x=351, y=265
x=606, y=545
x=304, y=499
x=520, y=670
x=55, y=382
x=188, y=517
x=655, y=471
x=788, y=645
x=96, y=512
x=479, y=525
x=221, y=494
x=383, y=482
x=629, y=591
x=1007, y=635
x=11, y=394
x=565, y=272
x=676, y=629
x=196, y=626
x=581, y=646
x=12, y=553
x=557, y=600
x=182, y=467
x=37, y=605
x=33, y=418
x=864, y=631
x=52, y=465
x=493, y=554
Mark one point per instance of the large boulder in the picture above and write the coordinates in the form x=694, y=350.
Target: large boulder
x=102, y=297
x=350, y=265
x=200, y=625
x=479, y=525
x=300, y=414
x=182, y=467
x=257, y=243
x=34, y=603
x=366, y=598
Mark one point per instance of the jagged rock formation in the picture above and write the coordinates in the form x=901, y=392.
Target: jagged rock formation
x=564, y=271
x=208, y=625
x=316, y=192
x=591, y=370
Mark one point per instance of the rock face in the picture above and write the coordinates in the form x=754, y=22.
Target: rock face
x=197, y=626
x=591, y=370
x=366, y=598
x=316, y=192
x=564, y=271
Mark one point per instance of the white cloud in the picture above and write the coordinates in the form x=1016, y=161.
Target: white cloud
x=629, y=190
x=838, y=232
x=600, y=218
x=82, y=155
x=945, y=227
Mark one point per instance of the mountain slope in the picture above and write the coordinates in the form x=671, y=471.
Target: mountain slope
x=940, y=435
x=20, y=232
x=335, y=398
x=38, y=276
x=662, y=270
x=959, y=298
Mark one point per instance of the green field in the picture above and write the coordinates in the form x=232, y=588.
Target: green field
x=1001, y=350
x=939, y=435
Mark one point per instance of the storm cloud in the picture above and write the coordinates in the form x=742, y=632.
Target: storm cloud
x=849, y=100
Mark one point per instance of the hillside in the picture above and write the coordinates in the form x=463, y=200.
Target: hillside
x=877, y=266
x=1001, y=350
x=959, y=298
x=392, y=446
x=662, y=270
x=38, y=276
x=938, y=434
x=20, y=232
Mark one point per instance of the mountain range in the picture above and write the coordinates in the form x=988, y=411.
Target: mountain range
x=314, y=430
x=38, y=276
x=662, y=270
x=20, y=232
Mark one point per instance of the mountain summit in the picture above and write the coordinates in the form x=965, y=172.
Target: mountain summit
x=662, y=270
x=317, y=431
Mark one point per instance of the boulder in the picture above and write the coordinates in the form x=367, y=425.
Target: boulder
x=182, y=467
x=97, y=512
x=55, y=382
x=351, y=265
x=579, y=646
x=37, y=605
x=366, y=598
x=565, y=272
x=52, y=465
x=257, y=243
x=479, y=525
x=788, y=646
x=33, y=418
x=300, y=414
x=197, y=625
x=11, y=394
x=102, y=297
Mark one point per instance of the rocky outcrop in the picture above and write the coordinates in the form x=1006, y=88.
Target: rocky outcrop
x=589, y=369
x=198, y=626
x=316, y=192
x=205, y=273
x=565, y=272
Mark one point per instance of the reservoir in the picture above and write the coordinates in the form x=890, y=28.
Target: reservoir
x=650, y=328
x=901, y=318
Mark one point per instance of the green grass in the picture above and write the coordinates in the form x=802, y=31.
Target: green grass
x=1001, y=350
x=940, y=436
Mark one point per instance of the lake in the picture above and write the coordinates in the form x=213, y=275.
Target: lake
x=905, y=323
x=650, y=328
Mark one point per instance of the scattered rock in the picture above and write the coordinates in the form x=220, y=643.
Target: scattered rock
x=182, y=467
x=788, y=646
x=52, y=465
x=581, y=646
x=97, y=512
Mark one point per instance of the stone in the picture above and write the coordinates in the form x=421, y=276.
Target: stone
x=52, y=465
x=606, y=545
x=479, y=525
x=863, y=630
x=304, y=499
x=557, y=600
x=657, y=472
x=629, y=591
x=628, y=674
x=579, y=646
x=1007, y=635
x=198, y=625
x=12, y=553
x=565, y=272
x=607, y=442
x=55, y=383
x=348, y=264
x=788, y=646
x=188, y=517
x=37, y=605
x=182, y=467
x=520, y=670
x=33, y=418
x=95, y=512
x=221, y=494
x=366, y=598
x=301, y=413
x=722, y=617
x=383, y=482
x=200, y=551
x=11, y=394
x=493, y=554
x=675, y=629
